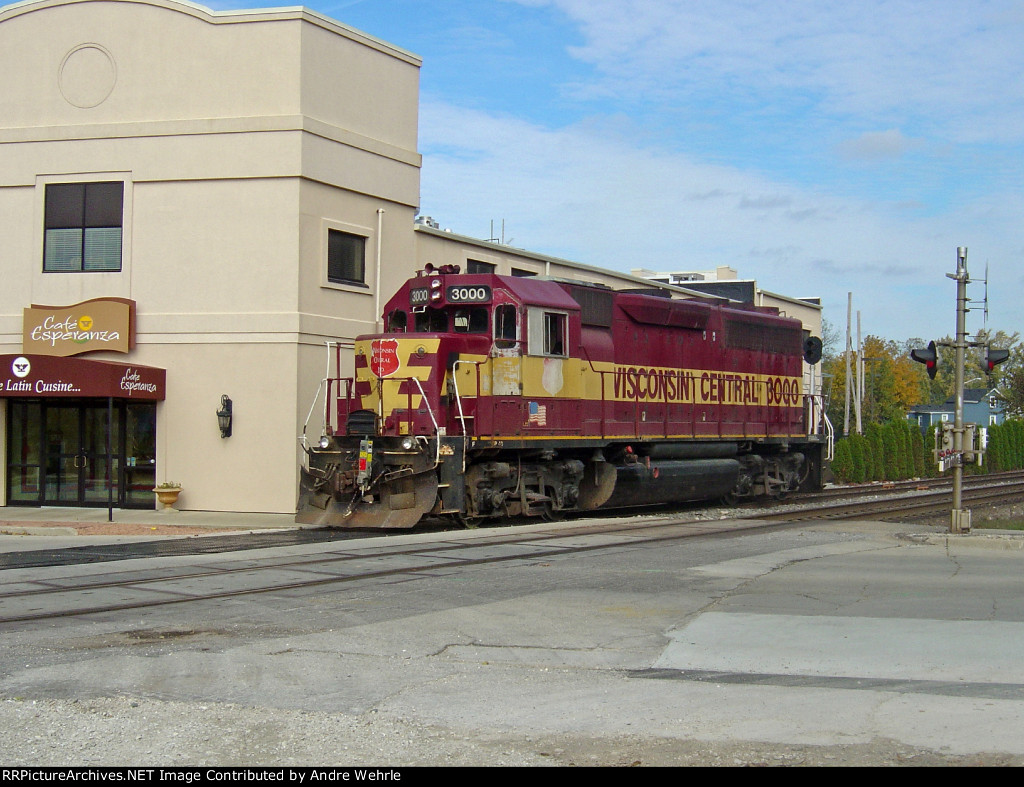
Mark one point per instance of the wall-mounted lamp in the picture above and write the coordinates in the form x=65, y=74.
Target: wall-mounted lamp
x=224, y=416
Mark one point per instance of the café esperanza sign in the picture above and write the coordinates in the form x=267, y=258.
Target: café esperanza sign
x=89, y=326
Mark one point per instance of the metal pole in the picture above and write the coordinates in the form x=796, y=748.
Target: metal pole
x=860, y=378
x=849, y=375
x=960, y=518
x=110, y=463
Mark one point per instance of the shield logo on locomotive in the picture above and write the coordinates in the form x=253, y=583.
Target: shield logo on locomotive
x=384, y=357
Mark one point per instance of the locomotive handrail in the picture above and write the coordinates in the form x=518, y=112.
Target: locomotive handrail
x=430, y=412
x=335, y=382
x=458, y=402
x=458, y=396
x=817, y=414
x=312, y=406
x=325, y=383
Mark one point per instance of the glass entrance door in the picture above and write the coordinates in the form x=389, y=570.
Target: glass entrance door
x=57, y=453
x=78, y=468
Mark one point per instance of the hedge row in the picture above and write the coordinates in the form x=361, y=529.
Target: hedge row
x=897, y=451
x=1005, y=447
x=885, y=452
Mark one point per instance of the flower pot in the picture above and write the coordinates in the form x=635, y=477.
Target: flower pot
x=168, y=496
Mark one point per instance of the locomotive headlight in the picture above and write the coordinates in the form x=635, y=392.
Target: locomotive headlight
x=325, y=441
x=408, y=443
x=435, y=295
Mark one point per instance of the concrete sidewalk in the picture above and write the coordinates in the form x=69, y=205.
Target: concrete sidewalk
x=57, y=521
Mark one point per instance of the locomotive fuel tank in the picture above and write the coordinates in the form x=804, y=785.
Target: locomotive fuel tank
x=680, y=481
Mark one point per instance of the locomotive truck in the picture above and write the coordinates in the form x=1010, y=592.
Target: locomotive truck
x=491, y=396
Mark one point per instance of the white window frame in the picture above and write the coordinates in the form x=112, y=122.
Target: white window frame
x=369, y=257
x=537, y=330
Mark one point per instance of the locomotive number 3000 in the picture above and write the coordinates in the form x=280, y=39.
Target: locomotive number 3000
x=479, y=294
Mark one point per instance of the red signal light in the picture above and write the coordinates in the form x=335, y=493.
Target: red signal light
x=995, y=357
x=929, y=357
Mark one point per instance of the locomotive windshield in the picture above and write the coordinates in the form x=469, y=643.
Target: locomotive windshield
x=473, y=319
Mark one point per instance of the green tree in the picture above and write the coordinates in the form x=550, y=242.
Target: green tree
x=890, y=445
x=857, y=473
x=873, y=433
x=917, y=450
x=842, y=462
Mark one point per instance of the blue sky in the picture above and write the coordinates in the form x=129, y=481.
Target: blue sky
x=820, y=147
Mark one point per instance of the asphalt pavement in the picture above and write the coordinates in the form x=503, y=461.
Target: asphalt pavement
x=842, y=643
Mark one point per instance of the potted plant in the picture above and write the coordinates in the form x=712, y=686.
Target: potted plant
x=167, y=493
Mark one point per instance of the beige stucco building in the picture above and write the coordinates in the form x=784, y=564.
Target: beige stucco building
x=245, y=185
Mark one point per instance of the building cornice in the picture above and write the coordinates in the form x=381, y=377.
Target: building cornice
x=240, y=16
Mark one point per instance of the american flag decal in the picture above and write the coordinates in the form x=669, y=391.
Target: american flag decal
x=538, y=414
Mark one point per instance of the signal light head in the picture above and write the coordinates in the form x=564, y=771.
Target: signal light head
x=995, y=357
x=812, y=350
x=929, y=357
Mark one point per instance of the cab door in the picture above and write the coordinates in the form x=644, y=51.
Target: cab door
x=506, y=364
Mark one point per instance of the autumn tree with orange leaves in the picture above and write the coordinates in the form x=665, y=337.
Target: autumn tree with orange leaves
x=893, y=383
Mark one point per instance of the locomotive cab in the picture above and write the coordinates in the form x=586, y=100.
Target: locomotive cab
x=446, y=377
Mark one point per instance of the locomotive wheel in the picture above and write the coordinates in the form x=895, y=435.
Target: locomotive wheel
x=549, y=514
x=467, y=522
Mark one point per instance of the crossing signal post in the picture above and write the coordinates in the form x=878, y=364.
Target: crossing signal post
x=960, y=518
x=956, y=444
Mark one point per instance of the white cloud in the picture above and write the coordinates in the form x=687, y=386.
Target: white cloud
x=597, y=198
x=954, y=68
x=878, y=145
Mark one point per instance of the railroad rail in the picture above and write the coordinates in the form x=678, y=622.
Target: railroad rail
x=901, y=500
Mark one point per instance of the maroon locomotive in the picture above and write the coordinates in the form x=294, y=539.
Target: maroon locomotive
x=495, y=396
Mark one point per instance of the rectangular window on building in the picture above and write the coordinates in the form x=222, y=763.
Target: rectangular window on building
x=346, y=258
x=83, y=227
x=479, y=266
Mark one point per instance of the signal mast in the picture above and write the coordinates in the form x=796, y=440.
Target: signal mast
x=955, y=445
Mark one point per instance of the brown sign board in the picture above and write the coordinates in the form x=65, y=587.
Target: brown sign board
x=89, y=326
x=43, y=376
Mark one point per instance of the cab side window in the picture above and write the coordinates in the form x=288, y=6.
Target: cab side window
x=505, y=326
x=548, y=332
x=554, y=334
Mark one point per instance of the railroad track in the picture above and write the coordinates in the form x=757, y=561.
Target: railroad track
x=921, y=484
x=902, y=500
x=30, y=595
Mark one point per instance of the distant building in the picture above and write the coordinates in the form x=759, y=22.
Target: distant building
x=982, y=406
x=723, y=282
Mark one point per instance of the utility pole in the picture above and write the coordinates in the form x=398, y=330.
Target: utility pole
x=849, y=374
x=960, y=518
x=860, y=379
